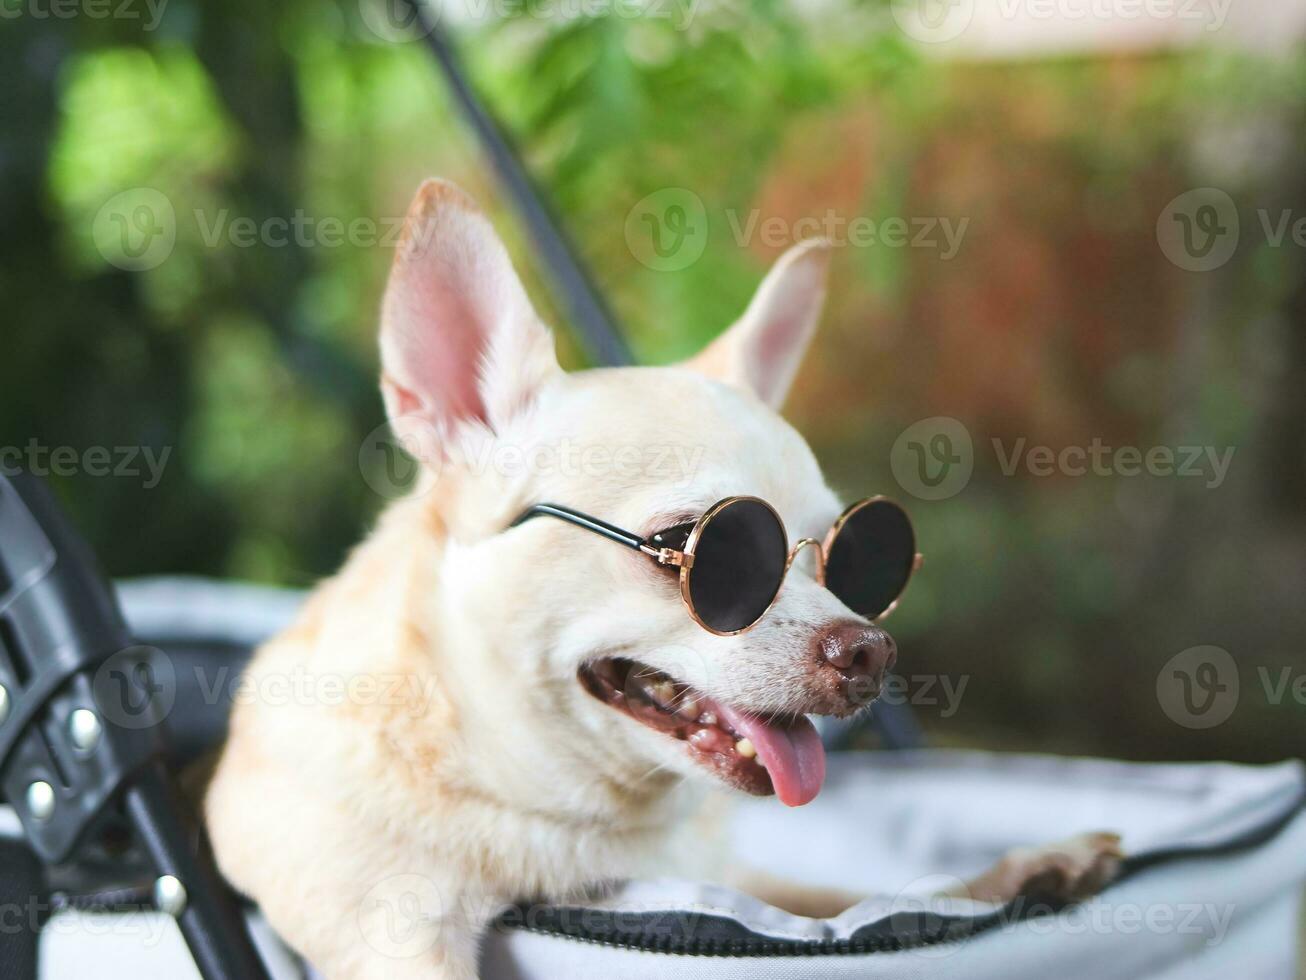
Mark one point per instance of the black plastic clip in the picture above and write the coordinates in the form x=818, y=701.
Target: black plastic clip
x=80, y=704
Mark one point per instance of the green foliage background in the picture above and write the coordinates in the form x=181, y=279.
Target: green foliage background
x=257, y=365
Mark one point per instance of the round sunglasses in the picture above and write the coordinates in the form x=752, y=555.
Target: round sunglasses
x=733, y=559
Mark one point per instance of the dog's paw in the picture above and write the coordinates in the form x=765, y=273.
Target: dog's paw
x=1068, y=871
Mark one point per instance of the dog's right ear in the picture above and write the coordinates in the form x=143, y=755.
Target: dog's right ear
x=461, y=346
x=762, y=351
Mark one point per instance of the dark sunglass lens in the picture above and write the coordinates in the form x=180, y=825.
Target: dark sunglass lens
x=871, y=558
x=739, y=563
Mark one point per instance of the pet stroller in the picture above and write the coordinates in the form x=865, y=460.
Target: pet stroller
x=105, y=870
x=106, y=695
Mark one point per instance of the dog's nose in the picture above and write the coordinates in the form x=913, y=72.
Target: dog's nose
x=858, y=650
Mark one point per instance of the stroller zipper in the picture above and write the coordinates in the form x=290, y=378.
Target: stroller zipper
x=897, y=931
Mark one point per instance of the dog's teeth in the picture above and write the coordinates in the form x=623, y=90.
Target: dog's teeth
x=745, y=748
x=688, y=708
x=707, y=718
x=662, y=692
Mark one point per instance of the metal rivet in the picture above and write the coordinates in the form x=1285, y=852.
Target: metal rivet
x=84, y=728
x=170, y=895
x=40, y=800
x=4, y=703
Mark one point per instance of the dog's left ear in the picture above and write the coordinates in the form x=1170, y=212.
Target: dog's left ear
x=762, y=350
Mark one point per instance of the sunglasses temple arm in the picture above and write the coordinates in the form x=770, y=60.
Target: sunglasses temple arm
x=609, y=531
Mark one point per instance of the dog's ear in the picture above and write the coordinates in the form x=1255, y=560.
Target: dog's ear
x=762, y=350
x=460, y=343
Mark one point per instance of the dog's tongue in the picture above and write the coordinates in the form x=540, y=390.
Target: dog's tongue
x=793, y=754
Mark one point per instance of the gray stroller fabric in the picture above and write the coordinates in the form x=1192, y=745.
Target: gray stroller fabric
x=1211, y=889
x=203, y=610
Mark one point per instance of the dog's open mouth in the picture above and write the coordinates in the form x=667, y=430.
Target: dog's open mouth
x=758, y=754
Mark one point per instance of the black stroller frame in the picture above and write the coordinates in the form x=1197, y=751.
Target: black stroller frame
x=86, y=758
x=83, y=751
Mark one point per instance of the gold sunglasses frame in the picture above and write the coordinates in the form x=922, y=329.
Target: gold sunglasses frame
x=684, y=559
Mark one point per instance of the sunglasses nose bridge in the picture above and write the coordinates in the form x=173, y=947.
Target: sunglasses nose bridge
x=820, y=557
